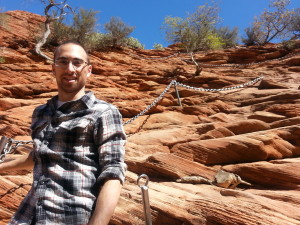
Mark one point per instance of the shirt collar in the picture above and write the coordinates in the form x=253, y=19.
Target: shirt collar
x=87, y=101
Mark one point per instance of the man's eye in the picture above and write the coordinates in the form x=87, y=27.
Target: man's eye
x=63, y=62
x=77, y=62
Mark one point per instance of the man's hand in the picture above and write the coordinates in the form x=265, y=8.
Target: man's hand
x=106, y=202
x=23, y=162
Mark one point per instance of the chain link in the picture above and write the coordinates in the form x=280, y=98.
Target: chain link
x=174, y=82
x=10, y=146
x=221, y=89
x=152, y=104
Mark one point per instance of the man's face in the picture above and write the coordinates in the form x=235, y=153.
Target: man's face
x=71, y=71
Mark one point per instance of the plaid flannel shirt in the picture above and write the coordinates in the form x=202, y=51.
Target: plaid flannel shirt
x=77, y=147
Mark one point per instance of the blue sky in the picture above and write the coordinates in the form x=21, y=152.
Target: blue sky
x=147, y=16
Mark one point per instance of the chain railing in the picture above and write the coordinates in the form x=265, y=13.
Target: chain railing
x=245, y=64
x=222, y=89
x=175, y=83
x=213, y=65
x=152, y=104
x=9, y=145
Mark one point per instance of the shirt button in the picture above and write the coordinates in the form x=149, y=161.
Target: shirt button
x=43, y=182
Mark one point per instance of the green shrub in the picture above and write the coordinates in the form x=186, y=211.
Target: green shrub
x=274, y=23
x=60, y=32
x=290, y=45
x=134, y=43
x=229, y=36
x=194, y=32
x=84, y=25
x=214, y=41
x=251, y=36
x=158, y=46
x=82, y=29
x=118, y=31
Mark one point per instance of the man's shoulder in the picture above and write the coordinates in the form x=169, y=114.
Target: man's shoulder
x=102, y=106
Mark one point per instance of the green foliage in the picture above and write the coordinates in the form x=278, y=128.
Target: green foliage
x=95, y=41
x=290, y=45
x=84, y=25
x=272, y=23
x=118, y=31
x=60, y=32
x=158, y=46
x=197, y=31
x=2, y=59
x=251, y=36
x=229, y=37
x=82, y=29
x=214, y=41
x=134, y=43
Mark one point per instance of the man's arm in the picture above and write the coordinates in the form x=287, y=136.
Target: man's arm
x=106, y=202
x=21, y=163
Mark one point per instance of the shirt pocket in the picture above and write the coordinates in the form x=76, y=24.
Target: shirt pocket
x=75, y=132
x=79, y=123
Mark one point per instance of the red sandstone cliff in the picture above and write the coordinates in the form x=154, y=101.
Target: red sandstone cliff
x=252, y=132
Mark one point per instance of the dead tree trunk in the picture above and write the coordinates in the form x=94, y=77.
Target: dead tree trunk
x=198, y=68
x=49, y=19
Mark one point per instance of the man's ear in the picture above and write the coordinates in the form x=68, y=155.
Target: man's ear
x=89, y=71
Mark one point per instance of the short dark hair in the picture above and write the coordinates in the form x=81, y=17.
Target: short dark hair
x=71, y=42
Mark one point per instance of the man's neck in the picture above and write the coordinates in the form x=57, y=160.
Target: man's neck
x=70, y=97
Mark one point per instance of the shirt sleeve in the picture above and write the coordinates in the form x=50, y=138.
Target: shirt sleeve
x=36, y=122
x=111, y=138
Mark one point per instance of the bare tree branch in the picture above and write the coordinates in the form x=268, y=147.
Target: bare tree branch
x=198, y=68
x=62, y=7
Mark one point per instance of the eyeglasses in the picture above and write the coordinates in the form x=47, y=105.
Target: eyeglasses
x=77, y=63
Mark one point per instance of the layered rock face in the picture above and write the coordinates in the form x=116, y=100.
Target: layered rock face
x=251, y=132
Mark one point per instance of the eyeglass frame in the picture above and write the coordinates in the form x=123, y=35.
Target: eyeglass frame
x=70, y=60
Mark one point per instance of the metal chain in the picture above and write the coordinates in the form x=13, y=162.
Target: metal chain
x=212, y=65
x=9, y=146
x=242, y=65
x=152, y=104
x=221, y=89
x=174, y=82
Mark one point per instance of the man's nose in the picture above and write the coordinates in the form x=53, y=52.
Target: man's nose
x=70, y=67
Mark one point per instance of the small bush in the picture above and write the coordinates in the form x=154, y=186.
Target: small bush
x=251, y=37
x=229, y=37
x=290, y=45
x=134, y=43
x=118, y=31
x=60, y=32
x=274, y=23
x=214, y=41
x=158, y=46
x=194, y=32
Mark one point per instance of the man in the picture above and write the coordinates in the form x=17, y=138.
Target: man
x=78, y=158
